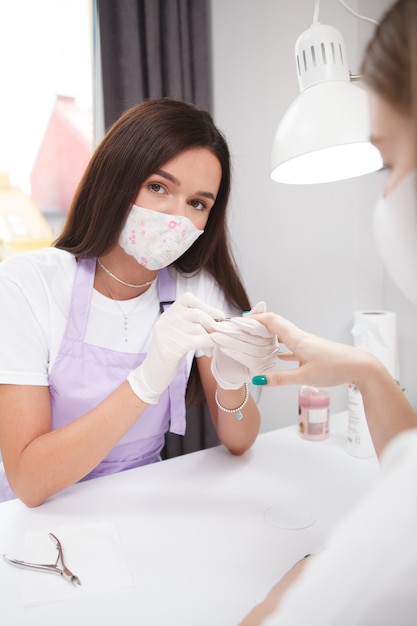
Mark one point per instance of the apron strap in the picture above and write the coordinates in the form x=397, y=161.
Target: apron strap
x=177, y=389
x=82, y=291
x=166, y=289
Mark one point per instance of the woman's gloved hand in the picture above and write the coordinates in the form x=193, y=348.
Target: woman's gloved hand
x=242, y=349
x=185, y=326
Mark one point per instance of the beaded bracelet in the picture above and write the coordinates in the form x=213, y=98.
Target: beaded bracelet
x=237, y=410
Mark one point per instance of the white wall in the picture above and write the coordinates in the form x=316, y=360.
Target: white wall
x=307, y=251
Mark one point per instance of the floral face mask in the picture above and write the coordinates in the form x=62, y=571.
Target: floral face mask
x=156, y=239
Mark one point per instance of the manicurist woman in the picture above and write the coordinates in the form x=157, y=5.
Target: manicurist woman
x=92, y=372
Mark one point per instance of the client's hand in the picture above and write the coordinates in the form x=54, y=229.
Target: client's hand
x=322, y=363
x=183, y=327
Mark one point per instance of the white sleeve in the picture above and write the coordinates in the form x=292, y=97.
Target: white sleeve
x=367, y=573
x=24, y=346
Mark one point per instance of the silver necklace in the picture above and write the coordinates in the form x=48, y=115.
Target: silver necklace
x=125, y=315
x=119, y=280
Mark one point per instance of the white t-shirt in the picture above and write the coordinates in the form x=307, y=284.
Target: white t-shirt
x=36, y=289
x=367, y=574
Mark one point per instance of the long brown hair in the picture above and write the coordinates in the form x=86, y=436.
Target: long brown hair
x=140, y=142
x=136, y=145
x=389, y=66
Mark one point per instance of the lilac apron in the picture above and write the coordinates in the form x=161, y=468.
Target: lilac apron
x=84, y=374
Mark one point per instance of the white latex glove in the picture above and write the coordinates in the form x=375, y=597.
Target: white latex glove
x=243, y=347
x=183, y=327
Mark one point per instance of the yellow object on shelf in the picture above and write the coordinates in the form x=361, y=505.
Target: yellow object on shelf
x=22, y=225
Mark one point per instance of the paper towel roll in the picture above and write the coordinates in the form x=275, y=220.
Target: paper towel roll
x=376, y=332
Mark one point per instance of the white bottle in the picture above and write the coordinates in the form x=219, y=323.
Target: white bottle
x=375, y=332
x=359, y=441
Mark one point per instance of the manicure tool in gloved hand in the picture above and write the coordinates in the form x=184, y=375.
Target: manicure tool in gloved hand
x=243, y=347
x=58, y=567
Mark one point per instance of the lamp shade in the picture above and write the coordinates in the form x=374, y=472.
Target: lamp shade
x=324, y=135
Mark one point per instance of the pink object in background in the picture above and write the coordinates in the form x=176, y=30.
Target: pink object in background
x=313, y=413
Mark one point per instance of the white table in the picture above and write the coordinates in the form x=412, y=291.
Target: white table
x=194, y=530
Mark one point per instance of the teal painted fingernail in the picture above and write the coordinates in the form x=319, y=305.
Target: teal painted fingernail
x=306, y=556
x=245, y=312
x=260, y=380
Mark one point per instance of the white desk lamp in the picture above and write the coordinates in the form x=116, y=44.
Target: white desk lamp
x=324, y=135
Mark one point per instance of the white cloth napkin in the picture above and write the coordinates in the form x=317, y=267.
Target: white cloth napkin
x=93, y=552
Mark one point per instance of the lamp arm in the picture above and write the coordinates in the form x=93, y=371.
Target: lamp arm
x=361, y=17
x=349, y=9
x=357, y=77
x=316, y=11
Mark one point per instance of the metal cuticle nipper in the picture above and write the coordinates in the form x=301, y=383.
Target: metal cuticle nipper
x=58, y=567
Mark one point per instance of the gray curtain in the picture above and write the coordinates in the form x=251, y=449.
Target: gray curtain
x=153, y=48
x=150, y=49
x=200, y=434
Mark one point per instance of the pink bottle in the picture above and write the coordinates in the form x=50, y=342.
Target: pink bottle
x=313, y=413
